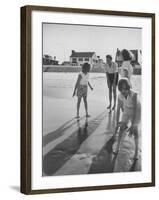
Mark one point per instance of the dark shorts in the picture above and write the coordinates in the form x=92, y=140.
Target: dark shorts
x=111, y=78
x=82, y=91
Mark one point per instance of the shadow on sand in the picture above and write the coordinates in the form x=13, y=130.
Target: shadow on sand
x=104, y=162
x=58, y=132
x=58, y=156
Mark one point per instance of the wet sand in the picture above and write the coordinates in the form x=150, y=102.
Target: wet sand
x=83, y=146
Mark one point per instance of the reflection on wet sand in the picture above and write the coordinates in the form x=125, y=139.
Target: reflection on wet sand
x=89, y=149
x=83, y=146
x=58, y=132
x=82, y=130
x=58, y=156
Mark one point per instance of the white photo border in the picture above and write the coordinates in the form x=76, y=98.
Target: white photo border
x=55, y=182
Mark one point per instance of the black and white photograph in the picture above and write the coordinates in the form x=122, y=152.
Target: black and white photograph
x=91, y=99
x=87, y=99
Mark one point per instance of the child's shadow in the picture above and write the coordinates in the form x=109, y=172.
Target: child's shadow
x=103, y=162
x=82, y=131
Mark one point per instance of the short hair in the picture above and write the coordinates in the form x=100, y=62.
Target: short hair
x=126, y=54
x=123, y=82
x=109, y=56
x=86, y=67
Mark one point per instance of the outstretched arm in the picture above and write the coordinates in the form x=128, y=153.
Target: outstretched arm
x=131, y=129
x=108, y=80
x=119, y=106
x=90, y=86
x=115, y=74
x=76, y=85
x=134, y=99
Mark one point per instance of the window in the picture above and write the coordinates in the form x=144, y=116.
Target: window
x=80, y=59
x=74, y=60
x=86, y=59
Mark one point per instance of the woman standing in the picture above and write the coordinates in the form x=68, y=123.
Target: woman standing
x=126, y=67
x=111, y=70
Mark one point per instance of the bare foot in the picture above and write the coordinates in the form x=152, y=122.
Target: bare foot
x=87, y=115
x=109, y=107
x=77, y=117
x=110, y=111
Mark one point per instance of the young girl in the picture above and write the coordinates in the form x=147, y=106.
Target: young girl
x=81, y=88
x=130, y=106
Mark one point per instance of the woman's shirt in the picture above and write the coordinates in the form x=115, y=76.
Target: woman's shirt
x=128, y=107
x=126, y=65
x=111, y=69
x=84, y=78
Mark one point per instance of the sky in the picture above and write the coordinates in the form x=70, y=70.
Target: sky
x=60, y=39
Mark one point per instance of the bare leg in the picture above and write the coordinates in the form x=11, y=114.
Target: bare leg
x=121, y=136
x=86, y=106
x=78, y=105
x=110, y=97
x=114, y=94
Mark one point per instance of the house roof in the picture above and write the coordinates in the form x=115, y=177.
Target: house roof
x=82, y=54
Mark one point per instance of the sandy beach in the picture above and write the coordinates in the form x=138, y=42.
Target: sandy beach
x=82, y=146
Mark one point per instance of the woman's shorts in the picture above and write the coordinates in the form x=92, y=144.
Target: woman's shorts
x=111, y=78
x=82, y=91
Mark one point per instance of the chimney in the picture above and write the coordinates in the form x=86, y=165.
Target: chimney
x=73, y=51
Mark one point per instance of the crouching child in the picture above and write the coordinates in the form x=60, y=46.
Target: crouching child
x=129, y=110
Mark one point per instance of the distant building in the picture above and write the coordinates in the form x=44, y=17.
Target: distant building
x=66, y=63
x=136, y=57
x=99, y=63
x=49, y=60
x=79, y=58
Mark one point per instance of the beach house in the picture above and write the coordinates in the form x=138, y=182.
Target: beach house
x=78, y=58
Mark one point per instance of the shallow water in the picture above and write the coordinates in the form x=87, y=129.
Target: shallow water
x=61, y=85
x=82, y=146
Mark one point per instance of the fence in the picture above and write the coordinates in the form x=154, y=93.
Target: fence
x=75, y=69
